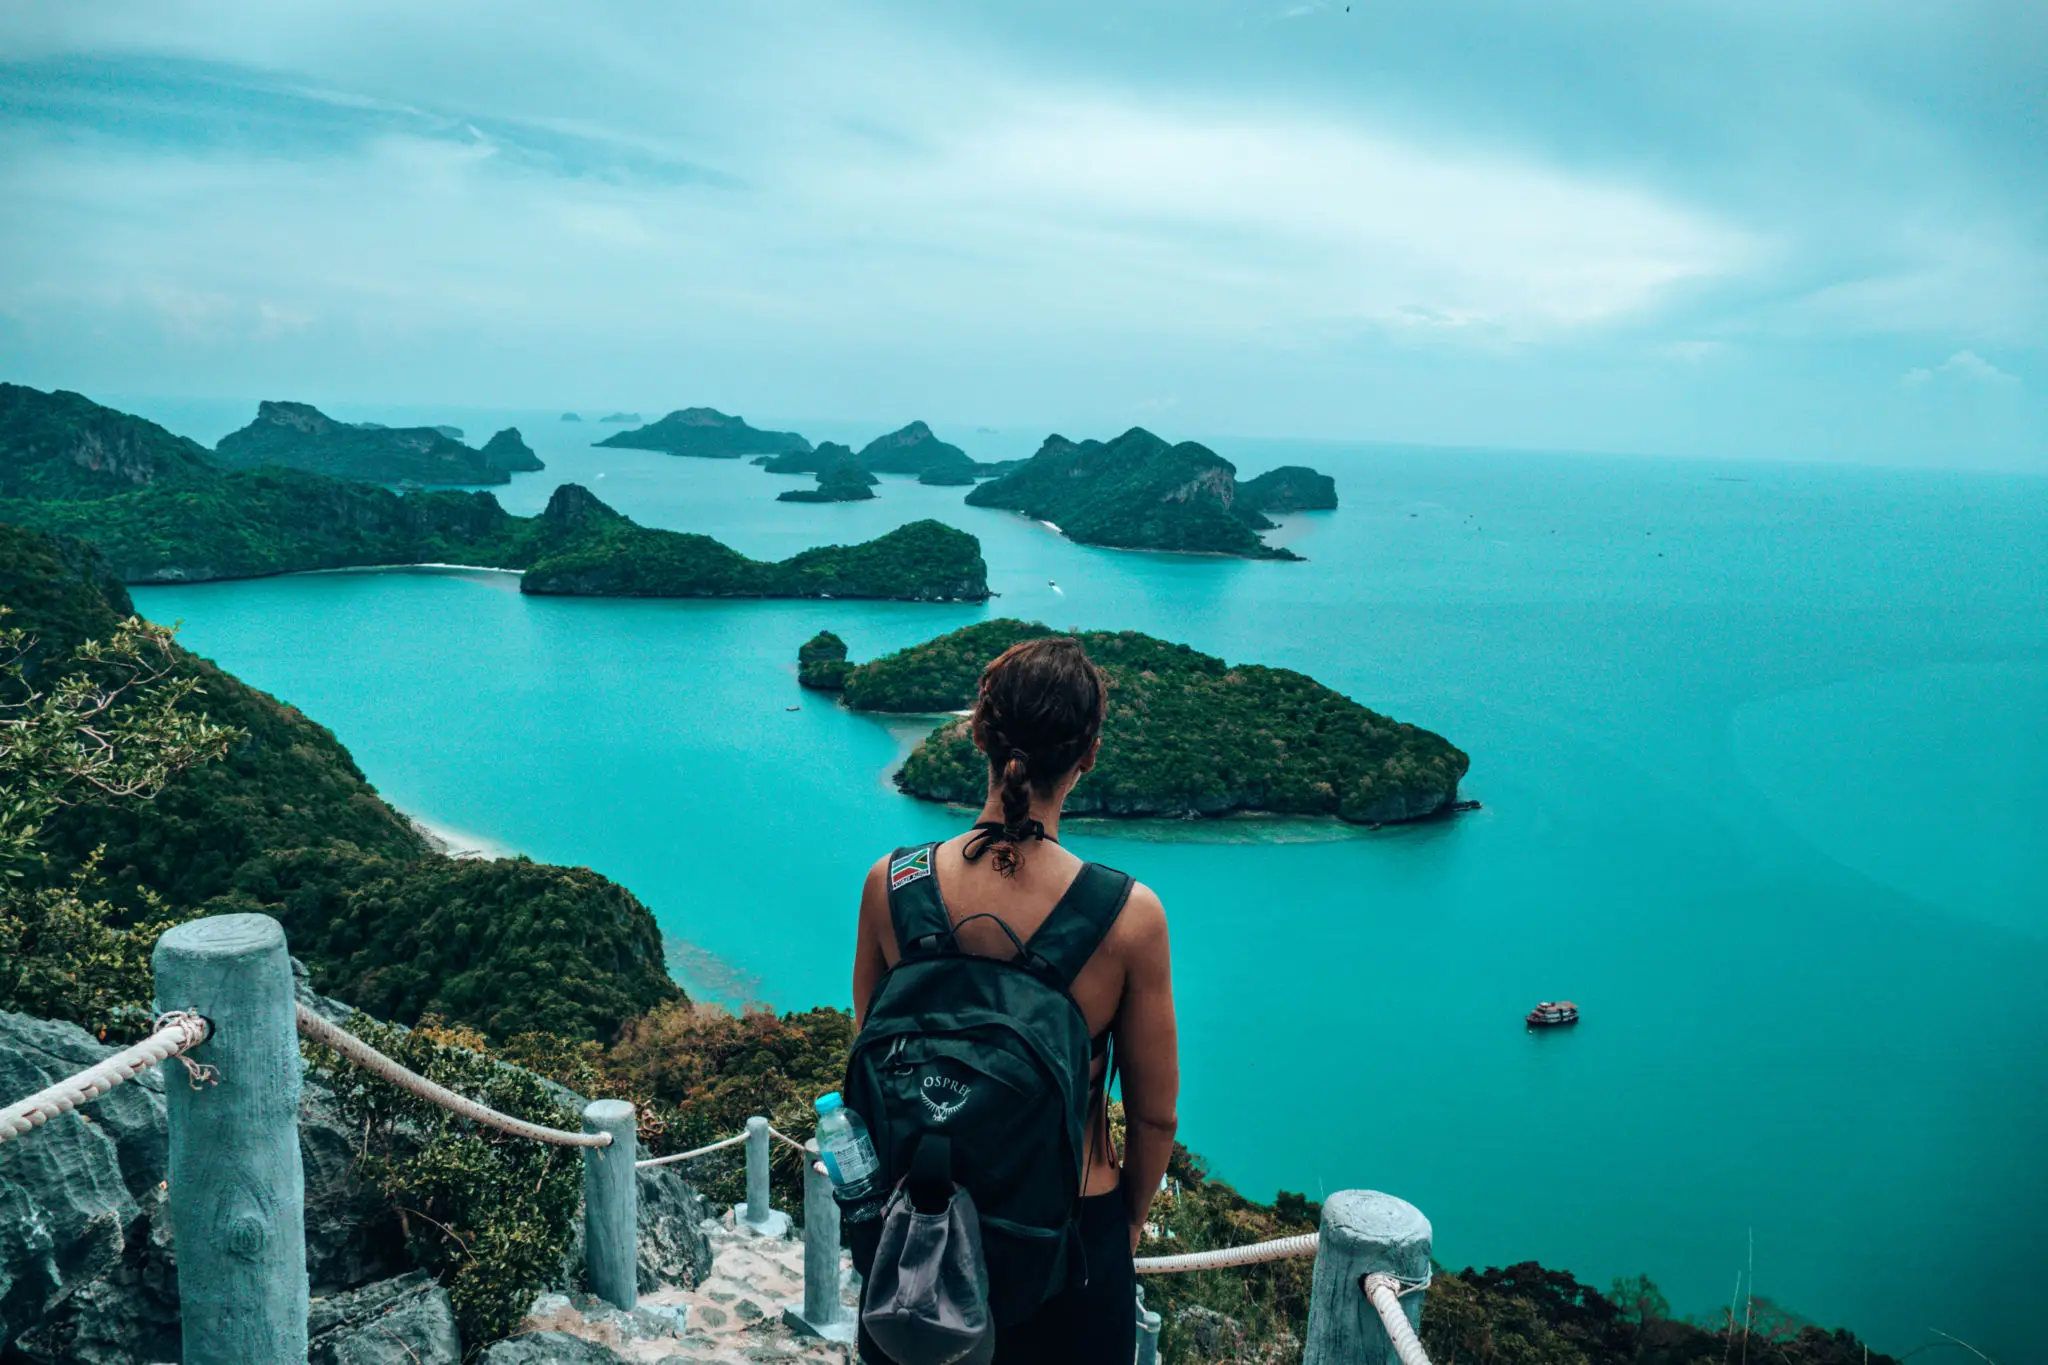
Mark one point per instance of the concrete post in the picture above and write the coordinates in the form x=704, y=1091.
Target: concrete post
x=611, y=1205
x=755, y=1213
x=1148, y=1332
x=1363, y=1231
x=237, y=1191
x=821, y=1315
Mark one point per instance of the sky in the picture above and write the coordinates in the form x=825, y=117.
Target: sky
x=1804, y=231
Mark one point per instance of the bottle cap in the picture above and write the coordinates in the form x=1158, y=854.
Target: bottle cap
x=828, y=1102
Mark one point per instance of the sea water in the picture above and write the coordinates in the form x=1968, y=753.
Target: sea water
x=1761, y=751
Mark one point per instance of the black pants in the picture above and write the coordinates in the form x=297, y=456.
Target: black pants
x=1094, y=1320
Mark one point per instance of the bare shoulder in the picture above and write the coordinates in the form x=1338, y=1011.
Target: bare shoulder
x=1142, y=925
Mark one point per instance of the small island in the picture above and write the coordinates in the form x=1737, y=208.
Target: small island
x=1136, y=492
x=808, y=460
x=508, y=451
x=1186, y=734
x=707, y=433
x=620, y=417
x=915, y=450
x=843, y=480
x=821, y=662
x=570, y=417
x=300, y=436
x=1290, y=488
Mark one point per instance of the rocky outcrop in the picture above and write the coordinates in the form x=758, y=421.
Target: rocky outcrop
x=1290, y=488
x=88, y=1271
x=403, y=1321
x=821, y=662
x=71, y=1193
x=64, y=445
x=300, y=436
x=508, y=451
x=915, y=450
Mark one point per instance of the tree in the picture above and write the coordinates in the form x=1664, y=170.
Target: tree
x=111, y=724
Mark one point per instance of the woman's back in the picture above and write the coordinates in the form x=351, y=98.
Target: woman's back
x=987, y=894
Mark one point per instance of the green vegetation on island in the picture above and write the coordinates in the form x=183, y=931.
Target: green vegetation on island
x=706, y=432
x=160, y=512
x=925, y=561
x=508, y=451
x=1290, y=488
x=300, y=436
x=821, y=662
x=1136, y=492
x=1185, y=734
x=813, y=461
x=63, y=445
x=914, y=450
x=842, y=480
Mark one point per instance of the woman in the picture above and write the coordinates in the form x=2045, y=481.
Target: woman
x=1038, y=717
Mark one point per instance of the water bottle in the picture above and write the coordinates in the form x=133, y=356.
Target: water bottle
x=844, y=1147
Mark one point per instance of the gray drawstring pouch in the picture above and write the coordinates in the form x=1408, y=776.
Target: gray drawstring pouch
x=927, y=1295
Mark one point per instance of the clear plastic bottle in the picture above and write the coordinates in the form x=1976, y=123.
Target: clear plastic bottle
x=845, y=1148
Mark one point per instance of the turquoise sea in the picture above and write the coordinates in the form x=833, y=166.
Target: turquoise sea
x=1765, y=782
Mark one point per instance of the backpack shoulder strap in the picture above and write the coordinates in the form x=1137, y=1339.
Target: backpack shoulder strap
x=915, y=909
x=1079, y=923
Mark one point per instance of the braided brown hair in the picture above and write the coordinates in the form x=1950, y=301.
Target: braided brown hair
x=1037, y=713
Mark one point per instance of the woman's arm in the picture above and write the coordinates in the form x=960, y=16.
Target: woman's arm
x=868, y=960
x=1148, y=1055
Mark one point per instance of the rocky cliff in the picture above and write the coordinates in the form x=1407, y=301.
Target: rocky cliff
x=300, y=436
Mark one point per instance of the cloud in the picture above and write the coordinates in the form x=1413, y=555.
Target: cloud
x=1965, y=368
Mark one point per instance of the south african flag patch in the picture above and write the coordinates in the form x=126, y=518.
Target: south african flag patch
x=910, y=866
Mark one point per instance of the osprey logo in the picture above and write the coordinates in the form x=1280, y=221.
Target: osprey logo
x=934, y=1093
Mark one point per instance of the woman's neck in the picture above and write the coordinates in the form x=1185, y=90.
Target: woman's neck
x=1046, y=813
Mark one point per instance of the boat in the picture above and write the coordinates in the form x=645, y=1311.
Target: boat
x=1552, y=1013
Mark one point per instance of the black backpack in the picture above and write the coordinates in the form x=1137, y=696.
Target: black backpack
x=993, y=1054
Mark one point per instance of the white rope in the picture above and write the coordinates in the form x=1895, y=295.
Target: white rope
x=781, y=1136
x=1277, y=1250
x=175, y=1033
x=375, y=1062
x=705, y=1150
x=1384, y=1292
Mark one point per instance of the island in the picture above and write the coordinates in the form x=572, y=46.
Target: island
x=160, y=510
x=570, y=417
x=508, y=451
x=807, y=461
x=62, y=445
x=1137, y=492
x=452, y=433
x=706, y=432
x=821, y=662
x=914, y=450
x=620, y=417
x=1290, y=488
x=843, y=480
x=300, y=436
x=1186, y=734
x=593, y=551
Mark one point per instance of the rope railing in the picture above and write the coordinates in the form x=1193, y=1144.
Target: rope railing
x=175, y=1033
x=233, y=1135
x=1278, y=1249
x=1384, y=1292
x=312, y=1026
x=706, y=1150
